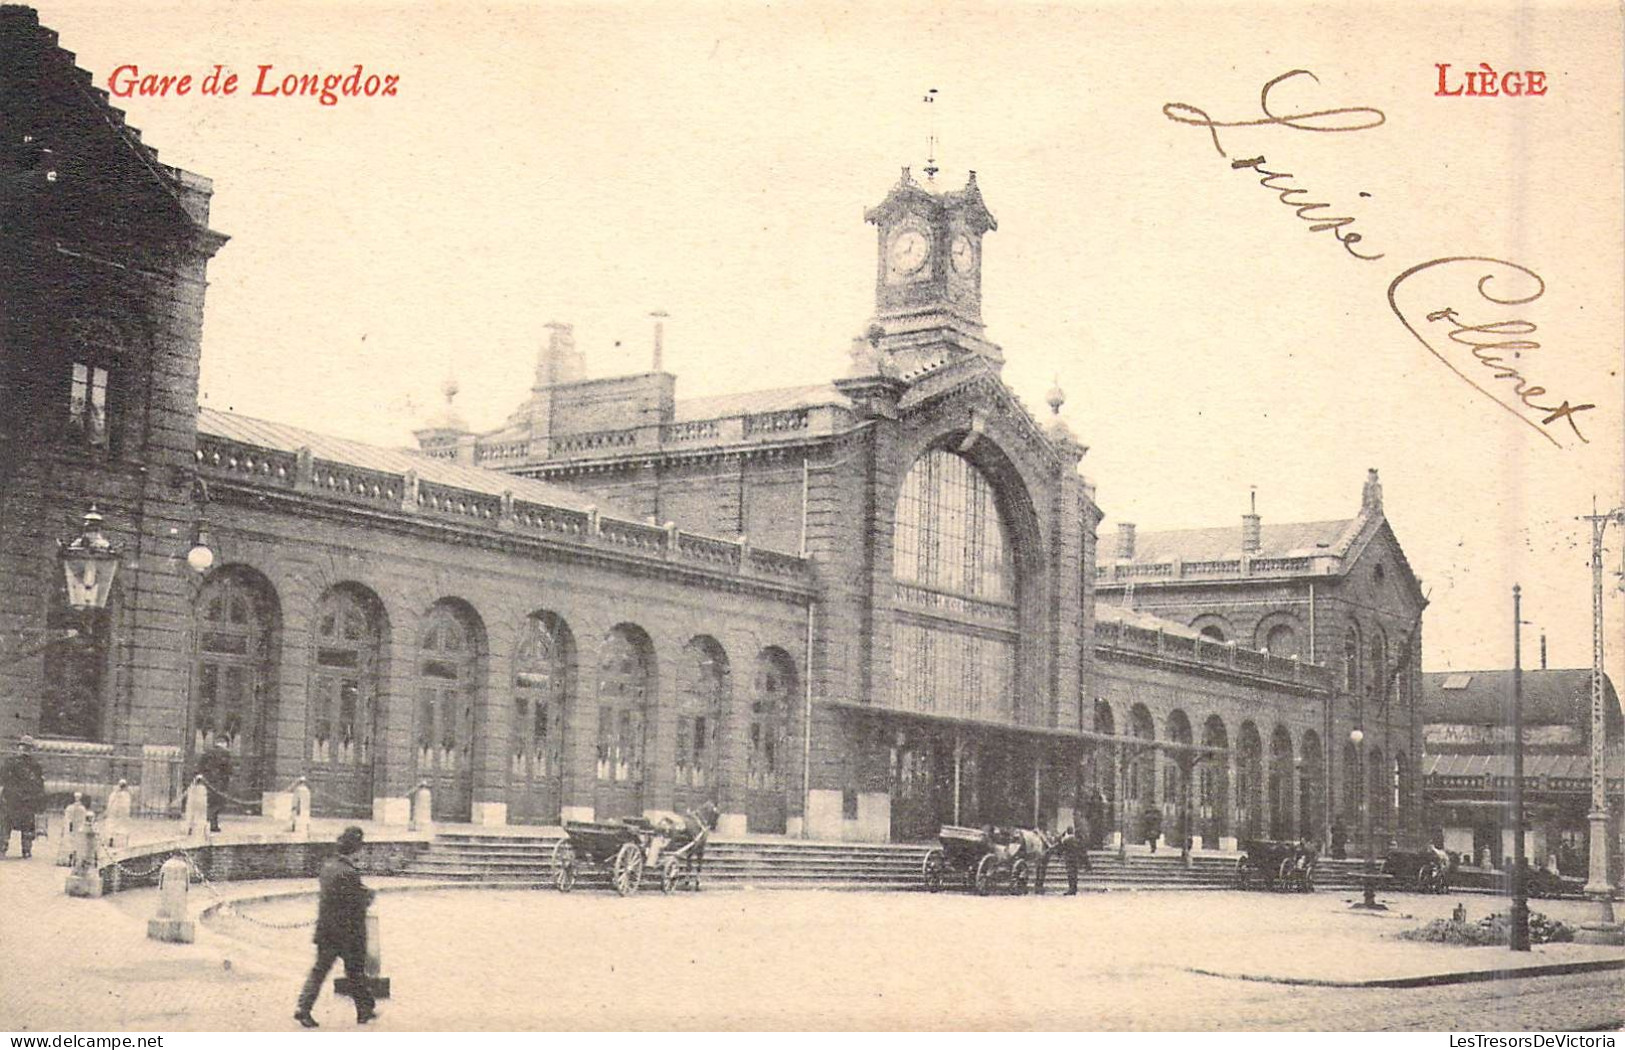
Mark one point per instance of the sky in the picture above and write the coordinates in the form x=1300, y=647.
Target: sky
x=590, y=163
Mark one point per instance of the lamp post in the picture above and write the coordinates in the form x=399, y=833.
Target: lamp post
x=1357, y=738
x=1597, y=883
x=1520, y=887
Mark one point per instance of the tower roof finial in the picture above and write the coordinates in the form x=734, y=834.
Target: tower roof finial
x=931, y=168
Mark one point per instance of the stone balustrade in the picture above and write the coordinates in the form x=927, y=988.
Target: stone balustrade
x=300, y=472
x=1203, y=652
x=1113, y=572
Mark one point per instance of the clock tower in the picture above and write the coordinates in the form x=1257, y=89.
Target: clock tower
x=928, y=280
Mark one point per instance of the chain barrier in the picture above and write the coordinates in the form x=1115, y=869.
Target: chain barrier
x=229, y=907
x=122, y=867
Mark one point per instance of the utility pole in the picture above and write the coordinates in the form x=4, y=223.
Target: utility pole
x=1597, y=887
x=1520, y=886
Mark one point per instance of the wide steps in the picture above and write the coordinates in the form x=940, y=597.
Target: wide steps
x=526, y=861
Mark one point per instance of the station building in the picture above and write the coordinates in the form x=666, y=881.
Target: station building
x=855, y=610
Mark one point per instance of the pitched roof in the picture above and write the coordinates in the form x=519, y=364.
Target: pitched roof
x=1286, y=540
x=282, y=437
x=782, y=399
x=1559, y=696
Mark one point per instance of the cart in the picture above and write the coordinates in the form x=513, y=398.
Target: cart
x=1424, y=870
x=1284, y=866
x=614, y=845
x=985, y=859
x=675, y=846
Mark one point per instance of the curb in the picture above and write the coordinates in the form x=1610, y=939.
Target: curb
x=1431, y=980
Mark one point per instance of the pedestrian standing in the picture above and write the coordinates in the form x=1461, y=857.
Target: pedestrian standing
x=22, y=792
x=215, y=768
x=341, y=931
x=1153, y=827
x=1071, y=847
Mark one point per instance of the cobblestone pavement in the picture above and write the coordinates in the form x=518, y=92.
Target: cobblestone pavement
x=470, y=960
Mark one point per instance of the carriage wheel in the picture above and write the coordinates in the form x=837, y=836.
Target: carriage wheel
x=1283, y=874
x=628, y=871
x=1018, y=877
x=931, y=870
x=564, y=865
x=985, y=871
x=1309, y=879
x=1437, y=882
x=668, y=875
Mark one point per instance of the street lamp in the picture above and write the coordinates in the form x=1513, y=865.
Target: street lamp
x=89, y=564
x=1369, y=882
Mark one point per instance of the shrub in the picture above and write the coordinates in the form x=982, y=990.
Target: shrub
x=1489, y=931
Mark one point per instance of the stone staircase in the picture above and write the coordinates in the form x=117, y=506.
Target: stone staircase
x=472, y=855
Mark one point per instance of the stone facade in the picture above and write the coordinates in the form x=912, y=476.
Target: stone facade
x=856, y=610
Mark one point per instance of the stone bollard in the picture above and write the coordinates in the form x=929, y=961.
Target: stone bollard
x=301, y=808
x=197, y=809
x=116, y=828
x=86, y=880
x=422, y=808
x=1460, y=913
x=375, y=964
x=173, y=923
x=67, y=840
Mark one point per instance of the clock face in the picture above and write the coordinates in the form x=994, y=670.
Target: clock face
x=963, y=254
x=909, y=250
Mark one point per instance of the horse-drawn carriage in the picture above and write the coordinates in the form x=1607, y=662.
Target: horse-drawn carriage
x=987, y=859
x=1420, y=870
x=1275, y=865
x=673, y=845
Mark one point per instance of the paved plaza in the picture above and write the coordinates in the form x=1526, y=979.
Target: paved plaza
x=508, y=959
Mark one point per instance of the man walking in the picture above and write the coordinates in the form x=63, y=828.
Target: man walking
x=215, y=768
x=341, y=931
x=22, y=792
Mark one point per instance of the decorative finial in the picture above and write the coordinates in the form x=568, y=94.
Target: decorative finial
x=931, y=168
x=449, y=388
x=1253, y=499
x=1057, y=397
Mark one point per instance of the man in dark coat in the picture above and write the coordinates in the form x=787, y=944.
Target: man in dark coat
x=22, y=792
x=215, y=768
x=341, y=931
x=1072, y=850
x=1153, y=827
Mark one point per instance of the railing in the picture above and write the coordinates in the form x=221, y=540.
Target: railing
x=777, y=422
x=153, y=773
x=697, y=430
x=596, y=441
x=512, y=450
x=300, y=472
x=1206, y=569
x=1126, y=637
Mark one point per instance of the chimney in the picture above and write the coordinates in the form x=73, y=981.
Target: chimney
x=1371, y=498
x=1125, y=541
x=1252, y=528
x=559, y=361
x=660, y=342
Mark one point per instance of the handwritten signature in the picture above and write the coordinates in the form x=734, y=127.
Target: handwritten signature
x=1348, y=118
x=1493, y=345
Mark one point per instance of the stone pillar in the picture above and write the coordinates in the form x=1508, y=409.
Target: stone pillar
x=301, y=809
x=173, y=923
x=86, y=880
x=116, y=828
x=197, y=809
x=422, y=808
x=393, y=764
x=660, y=724
x=67, y=840
x=493, y=727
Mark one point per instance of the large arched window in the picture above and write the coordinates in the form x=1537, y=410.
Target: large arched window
x=954, y=643
x=950, y=537
x=236, y=627
x=702, y=686
x=623, y=690
x=450, y=666
x=1351, y=661
x=543, y=680
x=349, y=642
x=1377, y=685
